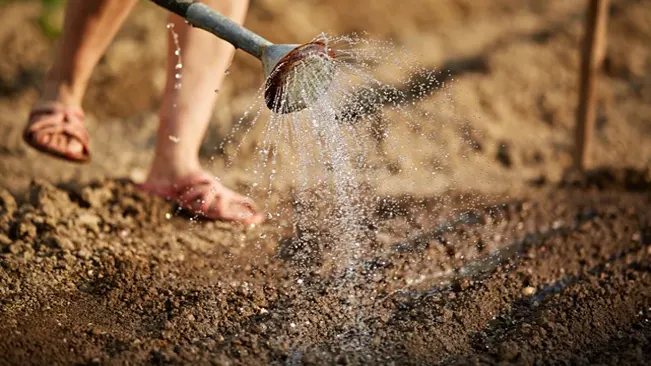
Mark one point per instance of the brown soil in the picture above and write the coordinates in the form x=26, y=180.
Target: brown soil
x=96, y=274
x=500, y=258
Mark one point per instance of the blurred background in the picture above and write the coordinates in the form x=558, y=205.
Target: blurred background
x=515, y=66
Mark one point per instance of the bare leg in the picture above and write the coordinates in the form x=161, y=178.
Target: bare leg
x=185, y=112
x=89, y=27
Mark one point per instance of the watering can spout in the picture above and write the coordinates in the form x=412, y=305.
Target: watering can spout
x=296, y=75
x=272, y=54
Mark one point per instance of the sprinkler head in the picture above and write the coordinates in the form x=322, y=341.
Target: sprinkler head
x=296, y=75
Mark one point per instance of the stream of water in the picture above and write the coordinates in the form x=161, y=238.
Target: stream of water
x=319, y=171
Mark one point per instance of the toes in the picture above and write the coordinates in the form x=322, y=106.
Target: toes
x=238, y=209
x=58, y=143
x=245, y=210
x=249, y=203
x=75, y=147
x=43, y=138
x=255, y=219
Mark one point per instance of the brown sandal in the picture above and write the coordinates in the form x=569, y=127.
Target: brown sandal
x=202, y=195
x=52, y=128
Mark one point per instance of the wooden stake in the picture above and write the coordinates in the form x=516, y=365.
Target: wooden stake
x=592, y=56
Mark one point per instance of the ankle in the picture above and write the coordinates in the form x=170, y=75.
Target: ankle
x=56, y=91
x=166, y=168
x=62, y=88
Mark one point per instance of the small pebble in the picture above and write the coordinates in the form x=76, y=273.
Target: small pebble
x=528, y=291
x=84, y=253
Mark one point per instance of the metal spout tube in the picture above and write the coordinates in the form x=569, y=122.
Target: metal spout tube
x=280, y=62
x=201, y=16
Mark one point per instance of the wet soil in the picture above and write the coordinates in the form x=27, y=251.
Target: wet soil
x=513, y=87
x=98, y=274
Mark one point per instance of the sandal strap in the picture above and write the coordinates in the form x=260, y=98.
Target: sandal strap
x=195, y=193
x=68, y=120
x=56, y=109
x=193, y=187
x=50, y=128
x=187, y=191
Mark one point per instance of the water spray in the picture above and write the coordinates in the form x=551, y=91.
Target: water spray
x=280, y=62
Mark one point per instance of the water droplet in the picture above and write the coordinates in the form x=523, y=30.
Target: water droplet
x=227, y=72
x=324, y=144
x=178, y=76
x=177, y=52
x=263, y=235
x=174, y=139
x=168, y=215
x=178, y=66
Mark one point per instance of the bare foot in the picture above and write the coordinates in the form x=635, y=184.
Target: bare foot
x=202, y=194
